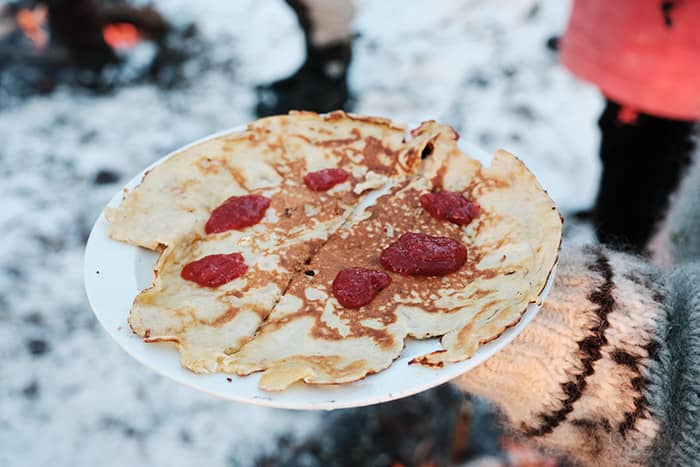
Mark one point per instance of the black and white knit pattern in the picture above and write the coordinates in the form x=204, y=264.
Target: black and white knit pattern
x=609, y=371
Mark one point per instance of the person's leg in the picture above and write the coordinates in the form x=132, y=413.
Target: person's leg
x=643, y=158
x=321, y=82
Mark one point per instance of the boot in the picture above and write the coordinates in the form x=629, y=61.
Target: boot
x=319, y=85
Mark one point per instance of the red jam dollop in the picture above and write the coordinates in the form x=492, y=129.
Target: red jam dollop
x=417, y=254
x=236, y=213
x=450, y=205
x=325, y=179
x=356, y=287
x=215, y=270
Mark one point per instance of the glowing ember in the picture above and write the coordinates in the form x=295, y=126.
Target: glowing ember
x=121, y=35
x=32, y=23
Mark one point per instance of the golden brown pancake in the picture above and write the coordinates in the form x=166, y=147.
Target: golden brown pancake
x=281, y=316
x=505, y=271
x=172, y=204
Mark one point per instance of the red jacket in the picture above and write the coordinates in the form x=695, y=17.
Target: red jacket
x=644, y=54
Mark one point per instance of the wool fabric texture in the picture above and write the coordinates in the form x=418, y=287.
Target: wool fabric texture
x=608, y=372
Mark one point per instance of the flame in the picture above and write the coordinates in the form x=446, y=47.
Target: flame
x=121, y=35
x=32, y=23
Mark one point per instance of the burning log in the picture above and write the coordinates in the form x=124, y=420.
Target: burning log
x=85, y=31
x=87, y=43
x=78, y=24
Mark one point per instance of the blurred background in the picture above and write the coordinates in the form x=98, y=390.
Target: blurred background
x=73, y=130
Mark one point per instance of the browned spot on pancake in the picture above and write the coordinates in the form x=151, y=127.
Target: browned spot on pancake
x=423, y=360
x=381, y=337
x=235, y=174
x=183, y=186
x=207, y=165
x=238, y=293
x=439, y=178
x=342, y=141
x=332, y=364
x=371, y=151
x=493, y=337
x=234, y=138
x=322, y=331
x=374, y=146
x=482, y=185
x=377, y=121
x=274, y=147
x=224, y=318
x=294, y=170
x=172, y=339
x=259, y=132
x=480, y=294
x=294, y=257
x=487, y=273
x=409, y=159
x=342, y=153
x=302, y=137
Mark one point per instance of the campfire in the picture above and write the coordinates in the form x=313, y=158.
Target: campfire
x=86, y=42
x=119, y=36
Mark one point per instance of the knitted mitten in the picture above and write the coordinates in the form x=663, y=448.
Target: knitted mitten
x=608, y=372
x=577, y=378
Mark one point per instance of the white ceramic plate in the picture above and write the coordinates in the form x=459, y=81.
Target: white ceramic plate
x=115, y=272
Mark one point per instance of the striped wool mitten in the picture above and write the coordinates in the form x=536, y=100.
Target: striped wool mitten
x=608, y=372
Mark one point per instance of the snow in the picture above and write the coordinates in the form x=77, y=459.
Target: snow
x=481, y=66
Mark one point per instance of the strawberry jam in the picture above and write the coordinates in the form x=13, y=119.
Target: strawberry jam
x=356, y=287
x=236, y=213
x=450, y=205
x=323, y=180
x=416, y=254
x=215, y=270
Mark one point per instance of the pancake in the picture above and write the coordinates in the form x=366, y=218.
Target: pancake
x=269, y=159
x=177, y=196
x=505, y=272
x=281, y=317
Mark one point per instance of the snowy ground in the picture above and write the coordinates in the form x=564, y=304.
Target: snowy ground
x=68, y=394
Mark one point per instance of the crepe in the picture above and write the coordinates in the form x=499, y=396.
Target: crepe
x=169, y=210
x=177, y=196
x=505, y=272
x=281, y=317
